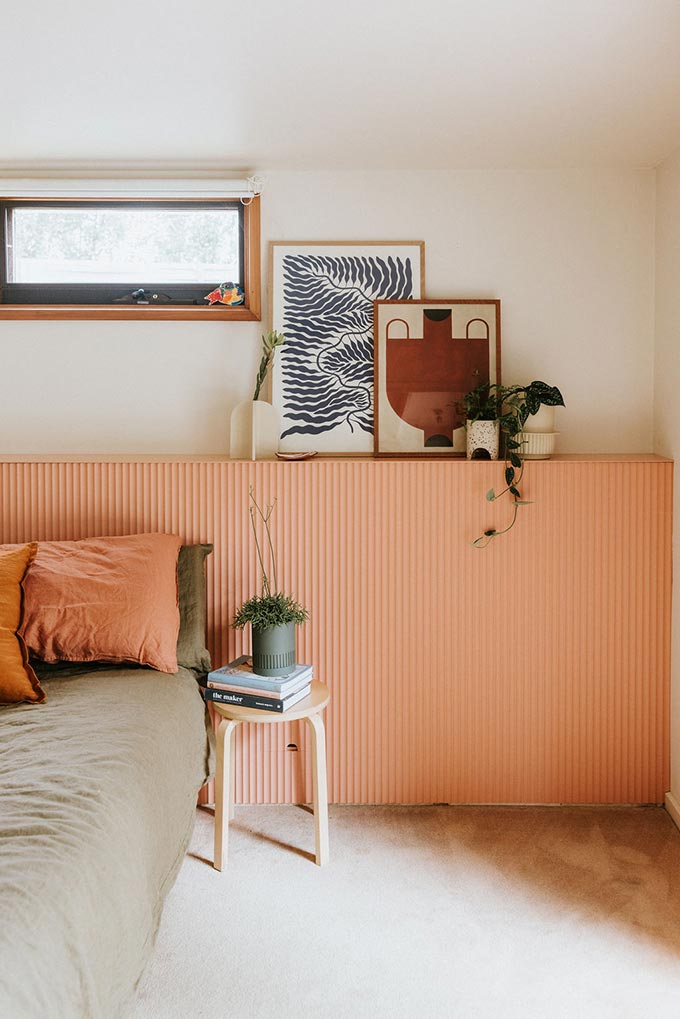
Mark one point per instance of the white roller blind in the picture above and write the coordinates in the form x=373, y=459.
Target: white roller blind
x=140, y=188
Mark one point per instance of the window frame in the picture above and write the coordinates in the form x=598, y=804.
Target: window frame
x=250, y=310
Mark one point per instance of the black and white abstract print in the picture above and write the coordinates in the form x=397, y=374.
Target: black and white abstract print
x=325, y=376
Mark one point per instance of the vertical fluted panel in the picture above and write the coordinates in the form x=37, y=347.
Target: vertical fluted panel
x=534, y=671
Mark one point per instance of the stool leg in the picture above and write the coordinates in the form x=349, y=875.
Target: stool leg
x=320, y=788
x=232, y=776
x=224, y=780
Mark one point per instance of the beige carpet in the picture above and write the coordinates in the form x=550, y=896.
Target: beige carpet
x=469, y=912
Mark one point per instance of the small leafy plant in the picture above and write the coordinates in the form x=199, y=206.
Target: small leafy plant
x=270, y=610
x=483, y=403
x=510, y=406
x=270, y=342
x=271, y=607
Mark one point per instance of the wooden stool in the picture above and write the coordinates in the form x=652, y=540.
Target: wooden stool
x=232, y=715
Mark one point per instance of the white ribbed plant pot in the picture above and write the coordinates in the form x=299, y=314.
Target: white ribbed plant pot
x=537, y=445
x=255, y=430
x=482, y=435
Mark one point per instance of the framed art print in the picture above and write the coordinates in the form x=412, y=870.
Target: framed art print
x=428, y=355
x=322, y=295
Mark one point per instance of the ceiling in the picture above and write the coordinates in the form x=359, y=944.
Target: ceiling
x=352, y=85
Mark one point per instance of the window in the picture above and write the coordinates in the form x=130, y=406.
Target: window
x=68, y=258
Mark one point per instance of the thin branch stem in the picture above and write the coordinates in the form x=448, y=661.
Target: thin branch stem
x=265, y=364
x=264, y=517
x=270, y=342
x=272, y=557
x=266, y=591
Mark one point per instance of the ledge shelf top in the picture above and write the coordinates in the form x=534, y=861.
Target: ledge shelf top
x=9, y=458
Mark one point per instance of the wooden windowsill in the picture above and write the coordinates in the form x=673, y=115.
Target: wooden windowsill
x=124, y=312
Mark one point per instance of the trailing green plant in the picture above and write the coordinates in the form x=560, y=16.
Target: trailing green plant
x=272, y=607
x=270, y=341
x=510, y=406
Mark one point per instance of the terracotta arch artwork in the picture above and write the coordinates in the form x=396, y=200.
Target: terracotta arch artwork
x=428, y=355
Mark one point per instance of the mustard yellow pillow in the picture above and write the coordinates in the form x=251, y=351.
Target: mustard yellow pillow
x=18, y=681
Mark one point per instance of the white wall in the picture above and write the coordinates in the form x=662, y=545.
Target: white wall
x=666, y=395
x=570, y=254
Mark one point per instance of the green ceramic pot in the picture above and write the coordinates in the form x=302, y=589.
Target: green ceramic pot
x=274, y=650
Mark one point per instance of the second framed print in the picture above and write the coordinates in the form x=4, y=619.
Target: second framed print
x=428, y=355
x=322, y=296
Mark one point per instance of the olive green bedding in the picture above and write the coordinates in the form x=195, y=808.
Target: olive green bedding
x=98, y=792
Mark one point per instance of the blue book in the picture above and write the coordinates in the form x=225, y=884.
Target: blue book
x=239, y=674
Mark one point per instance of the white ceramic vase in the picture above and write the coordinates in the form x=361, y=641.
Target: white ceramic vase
x=482, y=440
x=255, y=430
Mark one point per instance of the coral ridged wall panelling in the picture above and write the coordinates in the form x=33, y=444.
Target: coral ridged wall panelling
x=534, y=671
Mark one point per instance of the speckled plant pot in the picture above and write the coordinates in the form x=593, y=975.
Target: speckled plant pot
x=482, y=440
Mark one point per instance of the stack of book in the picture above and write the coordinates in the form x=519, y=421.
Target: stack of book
x=236, y=683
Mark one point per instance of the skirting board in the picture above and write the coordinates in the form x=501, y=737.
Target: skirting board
x=673, y=808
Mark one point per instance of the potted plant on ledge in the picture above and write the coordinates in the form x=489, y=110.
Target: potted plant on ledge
x=272, y=615
x=509, y=407
x=482, y=426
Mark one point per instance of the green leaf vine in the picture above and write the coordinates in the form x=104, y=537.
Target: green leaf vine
x=510, y=406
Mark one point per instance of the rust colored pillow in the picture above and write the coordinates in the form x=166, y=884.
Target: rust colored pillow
x=105, y=599
x=18, y=681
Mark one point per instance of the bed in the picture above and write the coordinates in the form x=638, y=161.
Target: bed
x=98, y=790
x=98, y=796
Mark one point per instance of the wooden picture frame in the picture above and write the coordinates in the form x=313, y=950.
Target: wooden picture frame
x=321, y=296
x=428, y=355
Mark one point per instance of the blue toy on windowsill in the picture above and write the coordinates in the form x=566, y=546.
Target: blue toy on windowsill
x=226, y=293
